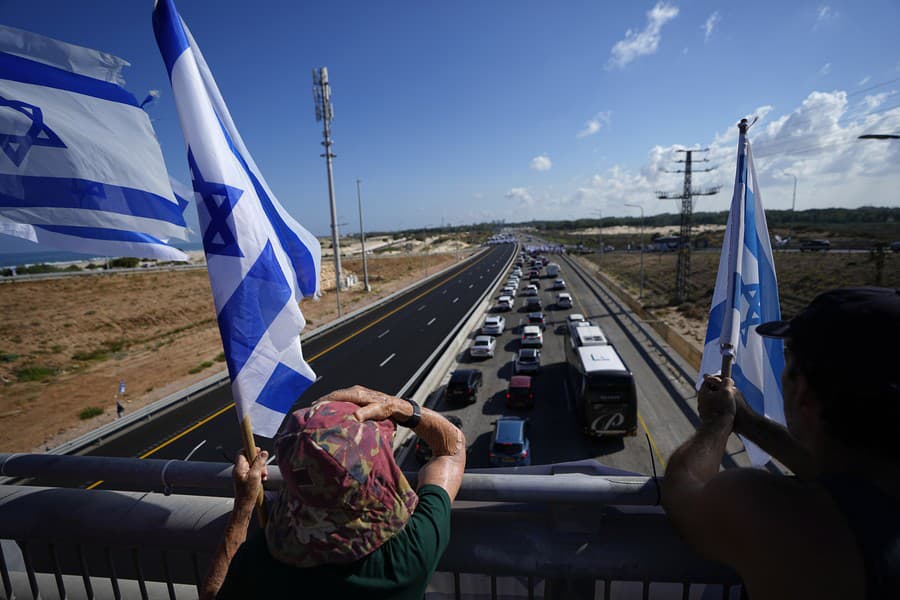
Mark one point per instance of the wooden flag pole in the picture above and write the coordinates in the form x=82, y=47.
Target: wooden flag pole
x=250, y=453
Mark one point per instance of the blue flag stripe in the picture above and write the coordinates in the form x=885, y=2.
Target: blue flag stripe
x=250, y=310
x=99, y=233
x=170, y=36
x=283, y=389
x=17, y=68
x=22, y=191
x=752, y=394
x=298, y=253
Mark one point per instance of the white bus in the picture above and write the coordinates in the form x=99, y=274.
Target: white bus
x=604, y=390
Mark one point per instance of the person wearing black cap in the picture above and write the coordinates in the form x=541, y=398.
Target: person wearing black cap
x=833, y=531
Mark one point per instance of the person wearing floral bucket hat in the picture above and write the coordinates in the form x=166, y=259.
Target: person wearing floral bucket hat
x=833, y=530
x=346, y=522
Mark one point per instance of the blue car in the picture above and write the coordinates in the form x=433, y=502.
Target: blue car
x=509, y=443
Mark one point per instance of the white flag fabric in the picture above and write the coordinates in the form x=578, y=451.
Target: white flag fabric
x=80, y=167
x=261, y=261
x=746, y=295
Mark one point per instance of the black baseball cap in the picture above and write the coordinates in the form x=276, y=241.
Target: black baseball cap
x=847, y=332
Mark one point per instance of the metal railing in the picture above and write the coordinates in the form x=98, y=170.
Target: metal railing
x=574, y=530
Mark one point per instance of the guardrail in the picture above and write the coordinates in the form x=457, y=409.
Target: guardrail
x=563, y=535
x=439, y=362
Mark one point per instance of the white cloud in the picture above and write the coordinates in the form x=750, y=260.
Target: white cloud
x=824, y=14
x=521, y=195
x=874, y=101
x=710, y=25
x=541, y=163
x=642, y=43
x=864, y=81
x=826, y=69
x=594, y=124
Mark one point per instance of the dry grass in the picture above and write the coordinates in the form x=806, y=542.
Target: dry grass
x=800, y=275
x=66, y=343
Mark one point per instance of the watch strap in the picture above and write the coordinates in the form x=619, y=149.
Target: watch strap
x=413, y=420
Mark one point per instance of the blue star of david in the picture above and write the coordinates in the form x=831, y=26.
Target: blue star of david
x=753, y=316
x=16, y=147
x=219, y=200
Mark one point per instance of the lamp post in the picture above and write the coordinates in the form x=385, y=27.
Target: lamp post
x=362, y=238
x=641, y=295
x=793, y=205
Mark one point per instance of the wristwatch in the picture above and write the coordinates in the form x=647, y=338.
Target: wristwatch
x=413, y=420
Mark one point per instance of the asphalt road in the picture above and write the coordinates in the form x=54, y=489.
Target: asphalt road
x=666, y=399
x=381, y=349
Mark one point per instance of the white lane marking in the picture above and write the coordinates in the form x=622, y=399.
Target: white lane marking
x=421, y=307
x=433, y=319
x=444, y=292
x=387, y=360
x=455, y=300
x=318, y=379
x=383, y=333
x=471, y=285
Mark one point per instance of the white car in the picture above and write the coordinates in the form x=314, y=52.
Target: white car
x=564, y=300
x=493, y=325
x=532, y=336
x=559, y=284
x=482, y=347
x=528, y=360
x=508, y=291
x=514, y=281
x=575, y=317
x=505, y=303
x=531, y=290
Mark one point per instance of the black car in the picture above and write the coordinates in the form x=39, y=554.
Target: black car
x=815, y=246
x=463, y=385
x=423, y=450
x=537, y=318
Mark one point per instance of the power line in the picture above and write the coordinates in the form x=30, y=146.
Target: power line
x=683, y=272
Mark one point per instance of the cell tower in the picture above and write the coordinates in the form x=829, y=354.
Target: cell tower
x=683, y=272
x=325, y=114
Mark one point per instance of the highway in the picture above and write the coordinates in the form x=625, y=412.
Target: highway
x=666, y=399
x=384, y=347
x=381, y=349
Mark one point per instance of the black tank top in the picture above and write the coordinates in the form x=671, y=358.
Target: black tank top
x=874, y=520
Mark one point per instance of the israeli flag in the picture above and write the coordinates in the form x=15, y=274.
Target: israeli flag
x=80, y=167
x=261, y=261
x=746, y=295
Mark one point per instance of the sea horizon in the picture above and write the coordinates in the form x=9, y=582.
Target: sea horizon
x=17, y=259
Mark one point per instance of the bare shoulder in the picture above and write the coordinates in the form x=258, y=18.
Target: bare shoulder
x=779, y=532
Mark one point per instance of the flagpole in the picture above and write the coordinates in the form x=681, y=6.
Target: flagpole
x=727, y=348
x=250, y=452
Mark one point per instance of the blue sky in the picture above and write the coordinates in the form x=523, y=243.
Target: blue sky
x=470, y=111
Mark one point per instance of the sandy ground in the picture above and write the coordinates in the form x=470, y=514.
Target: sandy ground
x=65, y=344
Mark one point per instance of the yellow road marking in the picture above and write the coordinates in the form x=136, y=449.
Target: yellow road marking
x=319, y=355
x=653, y=445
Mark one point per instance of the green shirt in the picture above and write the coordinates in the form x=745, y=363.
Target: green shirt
x=400, y=568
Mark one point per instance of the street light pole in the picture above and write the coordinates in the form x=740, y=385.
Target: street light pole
x=600, y=216
x=362, y=238
x=641, y=295
x=793, y=205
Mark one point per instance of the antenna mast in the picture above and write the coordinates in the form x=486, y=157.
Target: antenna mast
x=325, y=113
